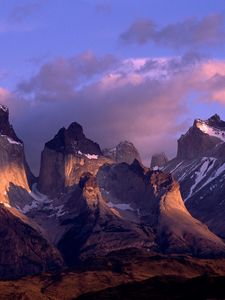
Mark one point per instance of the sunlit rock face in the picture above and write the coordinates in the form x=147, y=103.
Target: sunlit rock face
x=158, y=160
x=66, y=157
x=124, y=152
x=200, y=170
x=15, y=175
x=202, y=138
x=126, y=206
x=94, y=228
x=24, y=250
x=155, y=198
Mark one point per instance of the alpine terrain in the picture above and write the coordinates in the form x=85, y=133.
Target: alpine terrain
x=94, y=213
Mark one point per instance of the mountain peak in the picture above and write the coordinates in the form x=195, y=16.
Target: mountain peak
x=125, y=151
x=75, y=130
x=159, y=160
x=5, y=127
x=201, y=138
x=215, y=117
x=73, y=141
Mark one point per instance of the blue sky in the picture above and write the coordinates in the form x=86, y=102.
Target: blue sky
x=72, y=47
x=53, y=28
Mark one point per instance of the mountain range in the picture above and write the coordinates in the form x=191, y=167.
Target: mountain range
x=101, y=212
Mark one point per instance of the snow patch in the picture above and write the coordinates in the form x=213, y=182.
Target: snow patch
x=89, y=156
x=36, y=195
x=199, y=175
x=121, y=206
x=3, y=107
x=211, y=130
x=11, y=141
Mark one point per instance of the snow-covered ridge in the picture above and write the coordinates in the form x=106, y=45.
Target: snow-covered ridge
x=212, y=131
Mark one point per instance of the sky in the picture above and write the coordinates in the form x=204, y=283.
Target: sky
x=137, y=70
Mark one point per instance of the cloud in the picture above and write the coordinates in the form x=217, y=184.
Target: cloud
x=60, y=78
x=141, y=100
x=190, y=33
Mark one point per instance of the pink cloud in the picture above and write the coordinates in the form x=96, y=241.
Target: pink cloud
x=140, y=100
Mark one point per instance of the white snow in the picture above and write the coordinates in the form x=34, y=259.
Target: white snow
x=89, y=156
x=220, y=170
x=38, y=199
x=199, y=175
x=28, y=207
x=11, y=141
x=36, y=195
x=60, y=212
x=3, y=107
x=121, y=206
x=176, y=167
x=211, y=130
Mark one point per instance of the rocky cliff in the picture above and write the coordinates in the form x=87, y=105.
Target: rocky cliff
x=158, y=160
x=15, y=175
x=201, y=171
x=24, y=250
x=124, y=152
x=66, y=157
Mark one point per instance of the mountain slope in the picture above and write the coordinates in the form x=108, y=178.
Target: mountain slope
x=24, y=251
x=201, y=171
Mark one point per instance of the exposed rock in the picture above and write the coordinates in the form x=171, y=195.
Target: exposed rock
x=13, y=165
x=5, y=127
x=72, y=141
x=124, y=152
x=96, y=229
x=66, y=157
x=196, y=142
x=159, y=160
x=155, y=197
x=202, y=177
x=23, y=249
x=181, y=279
x=127, y=206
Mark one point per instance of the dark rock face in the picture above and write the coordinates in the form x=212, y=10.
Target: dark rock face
x=23, y=250
x=73, y=140
x=195, y=143
x=155, y=196
x=66, y=157
x=216, y=122
x=159, y=160
x=96, y=229
x=202, y=138
x=123, y=152
x=5, y=127
x=127, y=206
